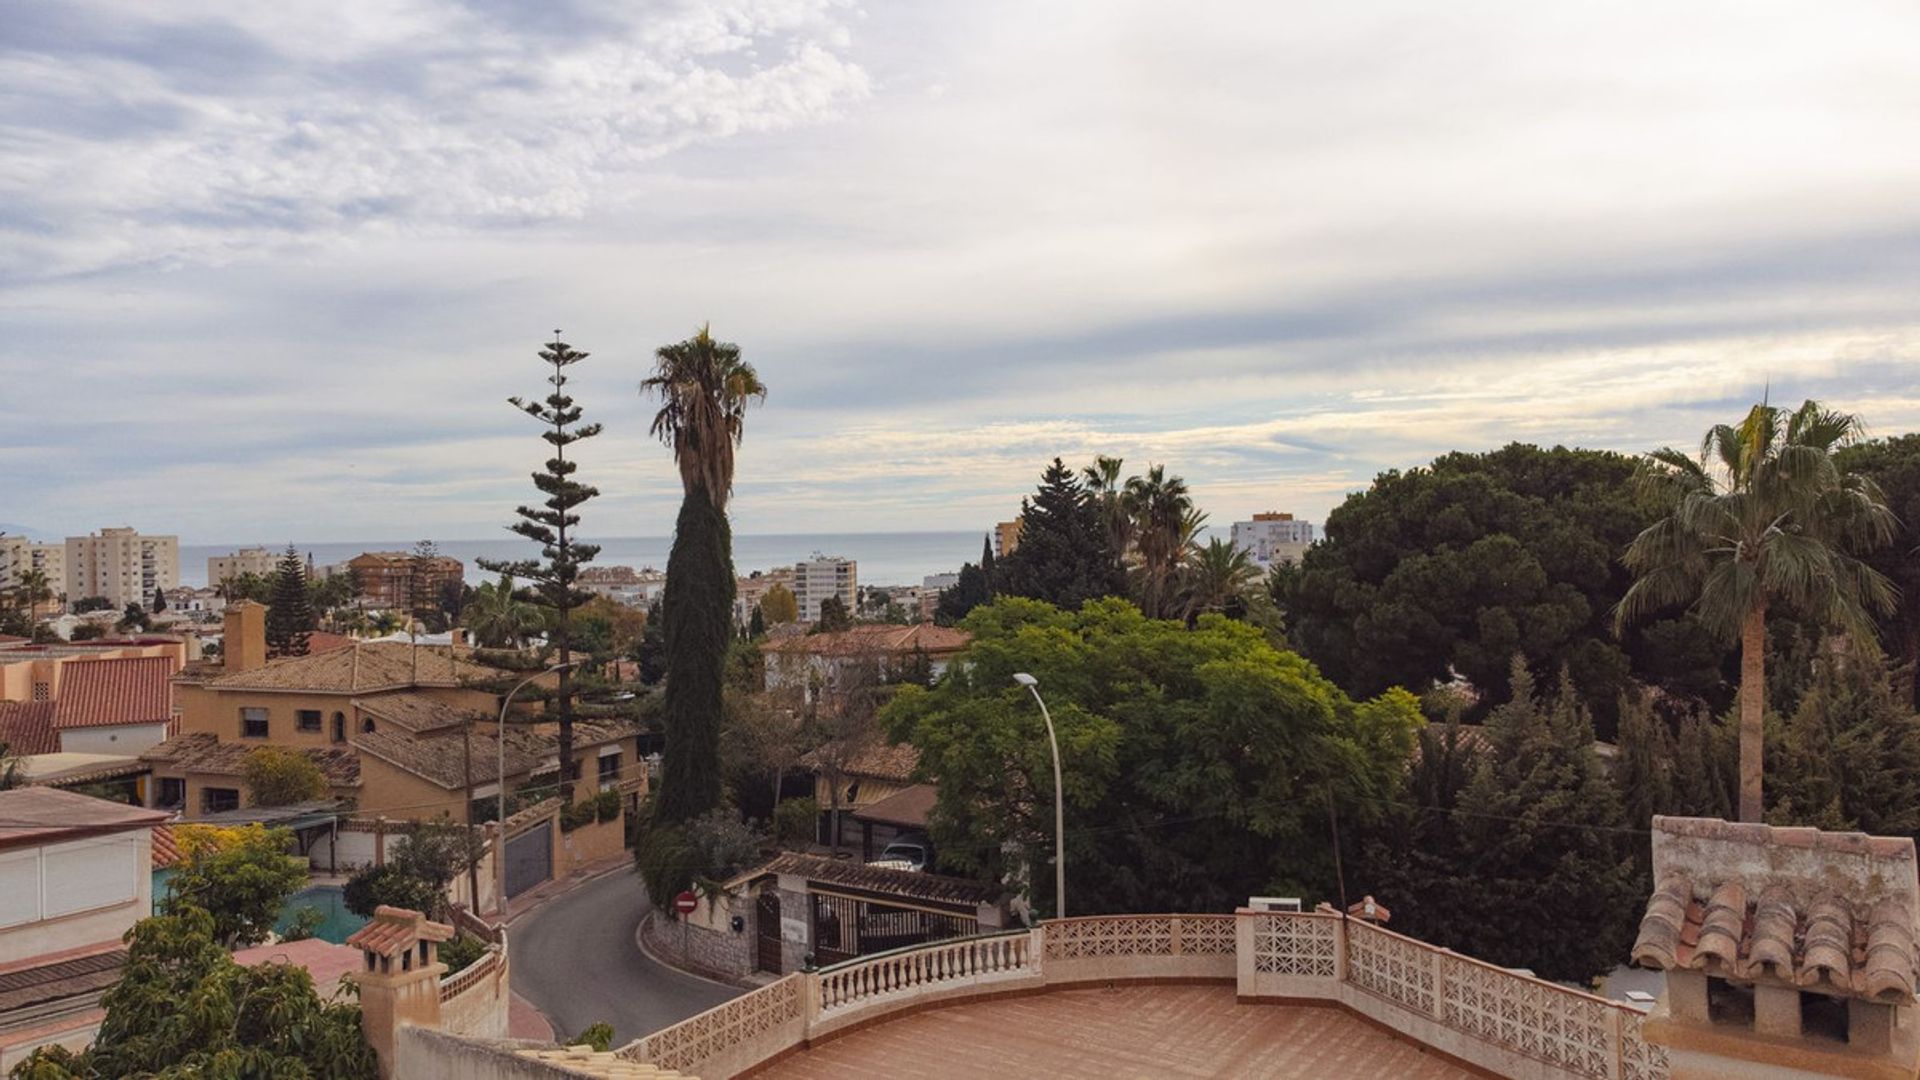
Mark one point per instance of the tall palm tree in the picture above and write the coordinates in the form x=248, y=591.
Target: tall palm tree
x=1763, y=517
x=31, y=590
x=1108, y=492
x=704, y=388
x=1162, y=512
x=1216, y=575
x=496, y=617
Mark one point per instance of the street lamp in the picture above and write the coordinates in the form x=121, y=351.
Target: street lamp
x=1059, y=814
x=500, y=811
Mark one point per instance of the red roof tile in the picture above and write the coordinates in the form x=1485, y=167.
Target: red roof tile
x=27, y=727
x=166, y=847
x=103, y=693
x=393, y=929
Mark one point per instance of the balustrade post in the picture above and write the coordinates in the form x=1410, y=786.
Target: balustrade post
x=1173, y=935
x=1616, y=1063
x=1340, y=950
x=1438, y=960
x=1037, y=949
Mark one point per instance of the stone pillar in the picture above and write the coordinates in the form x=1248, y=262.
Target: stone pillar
x=400, y=983
x=1687, y=996
x=1776, y=1011
x=1870, y=1026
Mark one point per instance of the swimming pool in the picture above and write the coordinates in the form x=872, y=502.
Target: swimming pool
x=331, y=902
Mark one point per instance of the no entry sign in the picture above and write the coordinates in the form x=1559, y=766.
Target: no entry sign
x=686, y=902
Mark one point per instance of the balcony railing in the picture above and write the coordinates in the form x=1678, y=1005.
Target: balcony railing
x=1506, y=1023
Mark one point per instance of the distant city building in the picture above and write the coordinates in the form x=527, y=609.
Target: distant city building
x=1006, y=538
x=257, y=561
x=624, y=584
x=387, y=577
x=936, y=582
x=749, y=590
x=821, y=577
x=122, y=565
x=1273, y=537
x=19, y=555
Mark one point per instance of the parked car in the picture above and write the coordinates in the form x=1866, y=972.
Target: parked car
x=908, y=851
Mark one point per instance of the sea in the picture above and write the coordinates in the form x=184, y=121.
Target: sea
x=902, y=558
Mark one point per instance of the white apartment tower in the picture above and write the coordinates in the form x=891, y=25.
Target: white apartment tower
x=121, y=565
x=821, y=577
x=1273, y=537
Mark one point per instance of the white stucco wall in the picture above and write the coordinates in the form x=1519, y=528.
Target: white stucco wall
x=125, y=739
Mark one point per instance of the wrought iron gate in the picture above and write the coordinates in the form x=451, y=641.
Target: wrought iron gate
x=845, y=926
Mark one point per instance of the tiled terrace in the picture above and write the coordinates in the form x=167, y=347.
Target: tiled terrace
x=1110, y=1034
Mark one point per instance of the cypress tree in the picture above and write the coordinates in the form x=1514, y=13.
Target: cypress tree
x=757, y=625
x=290, y=616
x=554, y=575
x=986, y=566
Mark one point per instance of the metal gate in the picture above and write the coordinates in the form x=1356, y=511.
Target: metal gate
x=529, y=858
x=845, y=926
x=766, y=914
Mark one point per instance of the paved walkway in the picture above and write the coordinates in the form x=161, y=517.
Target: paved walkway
x=574, y=958
x=1118, y=1034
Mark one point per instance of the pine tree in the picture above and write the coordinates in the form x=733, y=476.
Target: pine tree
x=986, y=566
x=757, y=625
x=290, y=616
x=964, y=595
x=159, y=600
x=553, y=576
x=1065, y=555
x=1643, y=769
x=833, y=617
x=1849, y=756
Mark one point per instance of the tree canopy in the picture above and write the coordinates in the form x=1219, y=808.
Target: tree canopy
x=282, y=776
x=1197, y=764
x=290, y=617
x=1065, y=557
x=240, y=877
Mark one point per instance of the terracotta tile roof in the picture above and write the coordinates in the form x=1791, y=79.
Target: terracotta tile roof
x=27, y=727
x=909, y=806
x=436, y=756
x=166, y=847
x=38, y=815
x=361, y=668
x=876, y=638
x=393, y=929
x=883, y=762
x=1823, y=911
x=103, y=693
x=416, y=712
x=880, y=879
x=203, y=752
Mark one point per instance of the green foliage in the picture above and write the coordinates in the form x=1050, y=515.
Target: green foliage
x=387, y=884
x=780, y=605
x=757, y=624
x=701, y=852
x=279, y=776
x=597, y=1035
x=796, y=822
x=135, y=617
x=554, y=576
x=1458, y=566
x=1529, y=823
x=91, y=603
x=1849, y=756
x=307, y=921
x=1894, y=465
x=697, y=619
x=574, y=815
x=184, y=1010
x=418, y=870
x=290, y=616
x=241, y=877
x=607, y=805
x=1196, y=764
x=88, y=632
x=497, y=617
x=664, y=862
x=1065, y=555
x=833, y=617
x=460, y=951
x=964, y=595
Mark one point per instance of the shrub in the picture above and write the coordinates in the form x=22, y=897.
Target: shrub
x=388, y=885
x=306, y=920
x=575, y=815
x=460, y=951
x=606, y=805
x=664, y=862
x=597, y=1035
x=796, y=822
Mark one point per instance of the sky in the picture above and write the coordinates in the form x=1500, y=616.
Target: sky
x=268, y=272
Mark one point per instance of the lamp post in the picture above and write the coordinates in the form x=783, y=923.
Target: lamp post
x=500, y=811
x=1059, y=813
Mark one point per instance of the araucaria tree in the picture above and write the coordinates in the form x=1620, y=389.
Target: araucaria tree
x=290, y=615
x=704, y=388
x=1764, y=518
x=553, y=576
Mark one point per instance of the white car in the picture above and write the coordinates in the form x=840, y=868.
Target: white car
x=911, y=852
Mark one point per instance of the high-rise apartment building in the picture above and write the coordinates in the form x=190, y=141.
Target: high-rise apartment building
x=1273, y=537
x=122, y=565
x=19, y=555
x=821, y=577
x=257, y=561
x=399, y=579
x=1006, y=538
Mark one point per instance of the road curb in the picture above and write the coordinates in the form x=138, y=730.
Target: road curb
x=612, y=867
x=640, y=942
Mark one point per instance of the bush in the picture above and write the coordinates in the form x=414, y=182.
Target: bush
x=388, y=885
x=575, y=815
x=460, y=951
x=598, y=1035
x=796, y=822
x=665, y=864
x=606, y=805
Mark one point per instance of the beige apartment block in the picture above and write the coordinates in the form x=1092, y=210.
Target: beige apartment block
x=19, y=555
x=823, y=576
x=257, y=561
x=122, y=565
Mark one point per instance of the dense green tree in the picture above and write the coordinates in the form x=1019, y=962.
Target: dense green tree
x=652, y=650
x=1849, y=756
x=1537, y=828
x=92, y=603
x=239, y=876
x=290, y=617
x=31, y=588
x=705, y=389
x=1455, y=567
x=780, y=605
x=1197, y=764
x=554, y=576
x=134, y=618
x=282, y=776
x=184, y=1010
x=1216, y=578
x=1065, y=557
x=498, y=617
x=1164, y=523
x=159, y=600
x=1108, y=492
x=757, y=624
x=1894, y=465
x=1763, y=518
x=833, y=617
x=973, y=589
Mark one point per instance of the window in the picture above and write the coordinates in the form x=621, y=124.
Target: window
x=610, y=768
x=253, y=723
x=339, y=727
x=366, y=725
x=173, y=793
x=215, y=800
x=307, y=719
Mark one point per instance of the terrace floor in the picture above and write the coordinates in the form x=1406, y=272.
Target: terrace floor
x=1117, y=1034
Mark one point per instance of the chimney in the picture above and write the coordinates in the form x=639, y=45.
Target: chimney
x=401, y=983
x=245, y=641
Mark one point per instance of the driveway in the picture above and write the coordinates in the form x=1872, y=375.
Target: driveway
x=575, y=959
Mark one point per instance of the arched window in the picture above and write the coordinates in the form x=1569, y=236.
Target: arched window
x=367, y=725
x=339, y=727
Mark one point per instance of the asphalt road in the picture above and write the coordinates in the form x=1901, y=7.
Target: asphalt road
x=575, y=959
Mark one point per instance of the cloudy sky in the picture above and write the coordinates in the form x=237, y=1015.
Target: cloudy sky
x=268, y=271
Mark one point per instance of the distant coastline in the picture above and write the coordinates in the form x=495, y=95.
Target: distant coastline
x=901, y=558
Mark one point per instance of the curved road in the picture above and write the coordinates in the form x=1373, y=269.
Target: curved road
x=574, y=957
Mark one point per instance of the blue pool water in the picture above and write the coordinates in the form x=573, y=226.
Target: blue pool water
x=332, y=903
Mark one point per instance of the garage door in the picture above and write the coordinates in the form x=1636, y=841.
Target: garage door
x=529, y=858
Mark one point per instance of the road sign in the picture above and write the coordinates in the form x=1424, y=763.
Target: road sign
x=686, y=902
